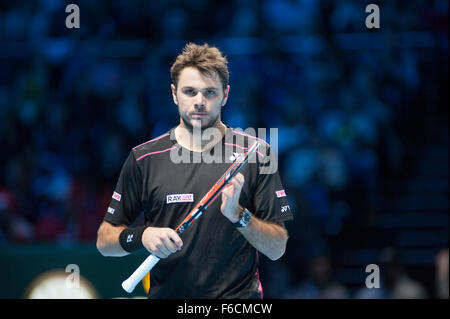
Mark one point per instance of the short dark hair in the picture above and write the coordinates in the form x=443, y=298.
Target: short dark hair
x=207, y=59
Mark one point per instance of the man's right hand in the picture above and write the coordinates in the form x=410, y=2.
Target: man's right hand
x=161, y=242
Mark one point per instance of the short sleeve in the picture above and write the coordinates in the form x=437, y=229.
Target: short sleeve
x=125, y=205
x=270, y=198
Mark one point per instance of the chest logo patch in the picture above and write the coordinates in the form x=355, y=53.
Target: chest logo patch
x=179, y=198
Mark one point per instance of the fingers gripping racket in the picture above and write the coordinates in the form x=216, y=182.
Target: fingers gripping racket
x=239, y=163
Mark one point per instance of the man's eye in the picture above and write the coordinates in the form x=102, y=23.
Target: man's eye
x=210, y=92
x=189, y=92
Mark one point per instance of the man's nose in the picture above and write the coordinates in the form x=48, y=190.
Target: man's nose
x=200, y=100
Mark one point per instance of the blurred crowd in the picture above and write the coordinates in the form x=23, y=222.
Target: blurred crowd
x=74, y=102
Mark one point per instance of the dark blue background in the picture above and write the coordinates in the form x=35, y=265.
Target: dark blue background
x=362, y=116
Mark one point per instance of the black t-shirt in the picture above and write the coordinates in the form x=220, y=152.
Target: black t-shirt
x=165, y=180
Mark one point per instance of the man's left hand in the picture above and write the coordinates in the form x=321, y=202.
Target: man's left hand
x=230, y=207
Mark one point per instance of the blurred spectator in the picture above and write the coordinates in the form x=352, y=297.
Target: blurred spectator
x=320, y=283
x=394, y=282
x=442, y=274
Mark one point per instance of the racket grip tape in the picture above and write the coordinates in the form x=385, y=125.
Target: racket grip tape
x=129, y=284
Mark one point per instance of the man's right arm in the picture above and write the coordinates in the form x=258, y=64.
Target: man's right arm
x=159, y=241
x=108, y=240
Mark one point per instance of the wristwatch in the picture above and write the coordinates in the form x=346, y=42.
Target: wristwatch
x=244, y=219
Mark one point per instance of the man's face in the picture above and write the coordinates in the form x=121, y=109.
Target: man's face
x=199, y=98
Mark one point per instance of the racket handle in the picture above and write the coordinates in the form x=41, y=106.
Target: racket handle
x=129, y=284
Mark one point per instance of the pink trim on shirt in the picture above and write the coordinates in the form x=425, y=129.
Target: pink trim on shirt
x=155, y=139
x=260, y=289
x=243, y=134
x=243, y=148
x=157, y=152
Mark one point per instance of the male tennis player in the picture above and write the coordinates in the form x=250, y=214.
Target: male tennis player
x=218, y=255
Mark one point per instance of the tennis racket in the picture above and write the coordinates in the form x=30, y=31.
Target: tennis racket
x=239, y=163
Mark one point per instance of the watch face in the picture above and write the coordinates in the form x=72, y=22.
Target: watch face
x=246, y=218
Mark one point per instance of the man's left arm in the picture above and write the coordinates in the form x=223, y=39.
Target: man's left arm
x=267, y=237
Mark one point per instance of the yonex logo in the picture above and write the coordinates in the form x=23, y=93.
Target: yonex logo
x=130, y=238
x=111, y=210
x=285, y=208
x=179, y=198
x=234, y=156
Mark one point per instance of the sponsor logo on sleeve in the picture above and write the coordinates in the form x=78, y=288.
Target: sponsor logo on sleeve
x=111, y=210
x=117, y=196
x=179, y=198
x=281, y=193
x=285, y=208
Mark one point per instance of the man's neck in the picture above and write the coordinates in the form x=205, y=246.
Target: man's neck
x=196, y=140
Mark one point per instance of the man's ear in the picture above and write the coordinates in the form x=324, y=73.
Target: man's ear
x=174, y=93
x=225, y=95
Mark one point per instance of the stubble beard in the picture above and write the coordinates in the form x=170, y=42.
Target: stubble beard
x=186, y=121
x=190, y=127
